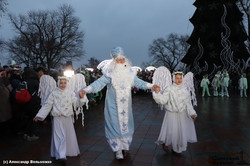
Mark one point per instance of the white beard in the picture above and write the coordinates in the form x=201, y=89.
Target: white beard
x=122, y=81
x=121, y=75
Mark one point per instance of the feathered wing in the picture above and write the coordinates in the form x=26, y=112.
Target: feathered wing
x=188, y=81
x=102, y=64
x=46, y=86
x=76, y=83
x=162, y=77
x=105, y=66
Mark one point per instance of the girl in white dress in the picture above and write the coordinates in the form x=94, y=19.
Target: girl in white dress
x=60, y=103
x=178, y=125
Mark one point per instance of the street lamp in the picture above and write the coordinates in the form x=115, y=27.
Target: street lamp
x=68, y=73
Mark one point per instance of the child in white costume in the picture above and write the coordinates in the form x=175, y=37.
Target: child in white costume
x=243, y=85
x=204, y=84
x=60, y=103
x=178, y=125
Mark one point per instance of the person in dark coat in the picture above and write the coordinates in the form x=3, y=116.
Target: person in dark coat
x=32, y=107
x=17, y=110
x=5, y=109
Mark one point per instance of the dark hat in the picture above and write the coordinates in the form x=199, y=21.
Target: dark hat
x=68, y=63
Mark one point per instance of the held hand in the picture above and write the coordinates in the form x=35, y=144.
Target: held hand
x=193, y=117
x=37, y=118
x=156, y=88
x=82, y=93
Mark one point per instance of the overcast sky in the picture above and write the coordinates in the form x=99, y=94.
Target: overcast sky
x=131, y=24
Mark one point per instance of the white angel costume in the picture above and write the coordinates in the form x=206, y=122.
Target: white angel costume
x=178, y=127
x=60, y=103
x=119, y=123
x=75, y=83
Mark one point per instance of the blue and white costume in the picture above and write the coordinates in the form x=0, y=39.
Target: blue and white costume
x=119, y=122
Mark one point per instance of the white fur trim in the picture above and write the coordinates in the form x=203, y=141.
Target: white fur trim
x=88, y=89
x=122, y=80
x=149, y=85
x=117, y=144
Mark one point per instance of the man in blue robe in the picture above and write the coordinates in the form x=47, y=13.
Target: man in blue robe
x=119, y=78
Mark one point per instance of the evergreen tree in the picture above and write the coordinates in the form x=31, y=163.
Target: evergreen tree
x=217, y=41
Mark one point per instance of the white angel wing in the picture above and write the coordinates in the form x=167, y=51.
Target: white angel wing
x=162, y=77
x=76, y=83
x=105, y=66
x=104, y=63
x=46, y=86
x=188, y=81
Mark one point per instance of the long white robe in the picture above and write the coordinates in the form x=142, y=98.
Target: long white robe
x=177, y=127
x=60, y=103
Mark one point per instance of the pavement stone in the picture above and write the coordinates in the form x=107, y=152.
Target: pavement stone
x=223, y=131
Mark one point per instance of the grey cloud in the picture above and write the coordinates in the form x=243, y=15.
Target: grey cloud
x=132, y=24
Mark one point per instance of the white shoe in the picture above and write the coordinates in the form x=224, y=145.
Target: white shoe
x=119, y=155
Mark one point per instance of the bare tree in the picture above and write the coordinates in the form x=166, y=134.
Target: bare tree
x=244, y=6
x=3, y=7
x=46, y=38
x=146, y=64
x=169, y=52
x=92, y=62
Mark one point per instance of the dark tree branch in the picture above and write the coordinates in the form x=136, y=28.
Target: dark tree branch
x=46, y=38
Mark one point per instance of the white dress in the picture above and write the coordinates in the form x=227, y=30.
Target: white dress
x=178, y=127
x=63, y=141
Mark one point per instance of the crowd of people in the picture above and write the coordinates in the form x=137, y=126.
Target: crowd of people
x=17, y=117
x=223, y=82
x=21, y=118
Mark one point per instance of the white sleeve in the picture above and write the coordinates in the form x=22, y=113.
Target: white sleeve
x=149, y=85
x=190, y=108
x=161, y=99
x=79, y=102
x=88, y=89
x=46, y=108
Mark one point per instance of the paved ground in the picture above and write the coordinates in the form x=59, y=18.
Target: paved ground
x=223, y=130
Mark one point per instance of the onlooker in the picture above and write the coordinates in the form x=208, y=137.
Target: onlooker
x=40, y=71
x=32, y=107
x=5, y=109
